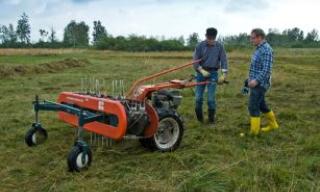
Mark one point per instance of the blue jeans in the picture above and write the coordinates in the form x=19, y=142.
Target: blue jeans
x=257, y=102
x=211, y=90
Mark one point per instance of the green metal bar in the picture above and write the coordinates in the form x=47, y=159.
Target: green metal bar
x=85, y=116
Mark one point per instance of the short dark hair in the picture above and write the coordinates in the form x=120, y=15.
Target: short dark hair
x=258, y=32
x=212, y=32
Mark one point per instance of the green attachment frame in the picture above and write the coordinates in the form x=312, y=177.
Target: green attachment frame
x=85, y=116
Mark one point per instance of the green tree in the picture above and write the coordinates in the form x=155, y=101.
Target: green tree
x=312, y=36
x=99, y=32
x=76, y=34
x=8, y=35
x=24, y=29
x=52, y=37
x=181, y=40
x=294, y=34
x=43, y=35
x=193, y=40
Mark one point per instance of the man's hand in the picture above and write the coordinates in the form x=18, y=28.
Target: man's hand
x=203, y=72
x=222, y=78
x=253, y=83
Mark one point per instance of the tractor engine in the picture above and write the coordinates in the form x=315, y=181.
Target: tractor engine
x=137, y=117
x=166, y=100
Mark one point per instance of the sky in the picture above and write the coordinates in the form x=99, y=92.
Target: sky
x=164, y=18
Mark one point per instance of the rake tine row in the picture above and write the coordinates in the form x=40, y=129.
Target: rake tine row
x=100, y=141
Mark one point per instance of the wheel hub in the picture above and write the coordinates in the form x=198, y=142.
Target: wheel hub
x=82, y=160
x=167, y=133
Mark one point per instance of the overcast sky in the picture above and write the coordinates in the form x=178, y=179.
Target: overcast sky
x=169, y=18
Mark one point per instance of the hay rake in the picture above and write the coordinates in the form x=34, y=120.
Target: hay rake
x=147, y=112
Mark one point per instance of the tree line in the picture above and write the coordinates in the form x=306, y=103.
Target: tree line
x=76, y=35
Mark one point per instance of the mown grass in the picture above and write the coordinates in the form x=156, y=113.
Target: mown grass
x=209, y=159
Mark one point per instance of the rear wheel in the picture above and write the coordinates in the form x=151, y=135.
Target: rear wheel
x=168, y=136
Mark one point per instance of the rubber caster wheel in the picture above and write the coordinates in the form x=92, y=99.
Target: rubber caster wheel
x=35, y=136
x=80, y=157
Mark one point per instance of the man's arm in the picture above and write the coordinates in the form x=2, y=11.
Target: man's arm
x=196, y=56
x=223, y=60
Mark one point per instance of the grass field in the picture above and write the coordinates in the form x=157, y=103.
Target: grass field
x=209, y=159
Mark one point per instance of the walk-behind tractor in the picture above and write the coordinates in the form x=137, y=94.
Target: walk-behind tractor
x=145, y=112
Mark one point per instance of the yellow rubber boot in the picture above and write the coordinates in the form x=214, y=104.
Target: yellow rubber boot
x=272, y=122
x=255, y=125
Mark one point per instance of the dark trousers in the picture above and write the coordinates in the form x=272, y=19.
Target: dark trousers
x=257, y=102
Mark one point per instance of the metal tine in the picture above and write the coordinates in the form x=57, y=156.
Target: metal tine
x=81, y=85
x=118, y=88
x=91, y=85
x=122, y=88
x=95, y=87
x=115, y=88
x=99, y=88
x=110, y=142
x=103, y=87
x=91, y=142
x=85, y=85
x=112, y=87
x=88, y=85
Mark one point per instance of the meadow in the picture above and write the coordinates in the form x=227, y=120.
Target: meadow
x=208, y=159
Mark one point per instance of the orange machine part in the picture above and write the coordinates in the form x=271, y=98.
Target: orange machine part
x=104, y=105
x=145, y=91
x=132, y=91
x=154, y=121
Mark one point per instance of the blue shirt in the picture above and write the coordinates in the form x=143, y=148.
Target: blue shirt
x=211, y=56
x=261, y=64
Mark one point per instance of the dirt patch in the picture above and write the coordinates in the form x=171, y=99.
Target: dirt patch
x=52, y=67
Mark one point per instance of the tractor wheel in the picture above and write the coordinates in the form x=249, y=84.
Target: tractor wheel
x=35, y=136
x=79, y=158
x=168, y=136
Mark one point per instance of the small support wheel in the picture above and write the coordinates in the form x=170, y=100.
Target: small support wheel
x=35, y=135
x=79, y=157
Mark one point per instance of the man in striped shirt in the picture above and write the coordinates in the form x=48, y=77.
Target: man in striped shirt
x=259, y=82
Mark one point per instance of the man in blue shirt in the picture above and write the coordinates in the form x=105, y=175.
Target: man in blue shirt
x=259, y=82
x=213, y=57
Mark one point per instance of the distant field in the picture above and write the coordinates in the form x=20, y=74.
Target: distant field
x=209, y=159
